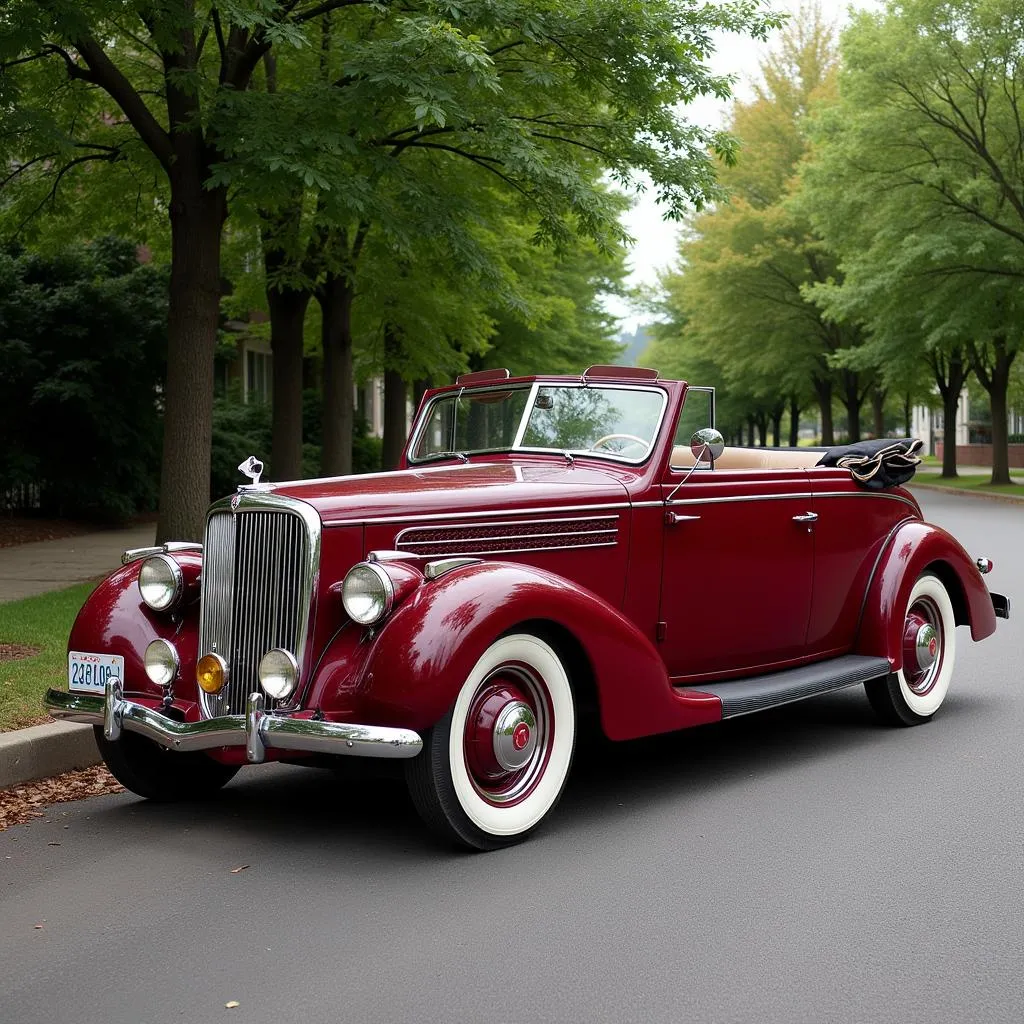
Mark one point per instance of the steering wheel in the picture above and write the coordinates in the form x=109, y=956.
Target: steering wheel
x=611, y=437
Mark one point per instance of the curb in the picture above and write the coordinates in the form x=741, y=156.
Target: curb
x=1007, y=499
x=41, y=751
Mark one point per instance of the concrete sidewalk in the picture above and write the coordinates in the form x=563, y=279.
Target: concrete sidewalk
x=30, y=569
x=25, y=571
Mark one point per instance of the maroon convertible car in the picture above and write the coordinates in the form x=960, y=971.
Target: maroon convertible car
x=551, y=546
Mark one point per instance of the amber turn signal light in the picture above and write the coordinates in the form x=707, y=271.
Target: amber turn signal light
x=211, y=673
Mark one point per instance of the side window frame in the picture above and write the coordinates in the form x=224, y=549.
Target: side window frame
x=700, y=467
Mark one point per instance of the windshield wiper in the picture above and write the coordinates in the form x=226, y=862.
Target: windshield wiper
x=461, y=456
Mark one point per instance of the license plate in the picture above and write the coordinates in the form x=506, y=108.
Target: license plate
x=88, y=673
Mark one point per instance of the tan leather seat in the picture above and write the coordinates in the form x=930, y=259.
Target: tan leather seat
x=750, y=458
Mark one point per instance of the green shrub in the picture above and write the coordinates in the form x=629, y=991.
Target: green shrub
x=83, y=337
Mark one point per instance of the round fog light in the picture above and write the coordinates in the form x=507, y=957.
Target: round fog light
x=211, y=673
x=161, y=662
x=160, y=582
x=278, y=673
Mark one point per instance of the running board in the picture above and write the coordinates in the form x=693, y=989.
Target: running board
x=758, y=693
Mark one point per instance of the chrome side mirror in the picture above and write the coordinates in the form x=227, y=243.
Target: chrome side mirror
x=707, y=445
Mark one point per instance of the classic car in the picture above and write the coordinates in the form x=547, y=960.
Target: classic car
x=554, y=549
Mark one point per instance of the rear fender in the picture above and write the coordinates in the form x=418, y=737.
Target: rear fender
x=415, y=666
x=914, y=549
x=115, y=620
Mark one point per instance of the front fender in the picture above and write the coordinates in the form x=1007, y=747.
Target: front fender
x=914, y=548
x=411, y=671
x=115, y=620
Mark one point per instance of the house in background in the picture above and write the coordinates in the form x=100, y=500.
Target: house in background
x=253, y=369
x=972, y=431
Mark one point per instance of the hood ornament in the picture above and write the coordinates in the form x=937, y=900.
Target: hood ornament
x=253, y=469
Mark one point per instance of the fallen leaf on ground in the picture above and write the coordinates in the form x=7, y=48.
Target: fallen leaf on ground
x=232, y=1004
x=241, y=867
x=20, y=804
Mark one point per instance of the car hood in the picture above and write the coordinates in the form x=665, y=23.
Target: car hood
x=471, y=487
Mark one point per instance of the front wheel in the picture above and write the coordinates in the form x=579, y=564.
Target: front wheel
x=496, y=764
x=155, y=773
x=913, y=694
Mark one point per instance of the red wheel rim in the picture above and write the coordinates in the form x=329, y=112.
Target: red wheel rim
x=923, y=646
x=508, y=734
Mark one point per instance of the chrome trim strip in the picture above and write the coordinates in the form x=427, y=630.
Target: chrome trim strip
x=515, y=536
x=434, y=517
x=528, y=551
x=280, y=732
x=170, y=548
x=435, y=570
x=805, y=495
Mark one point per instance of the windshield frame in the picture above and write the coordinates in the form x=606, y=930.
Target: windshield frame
x=517, y=445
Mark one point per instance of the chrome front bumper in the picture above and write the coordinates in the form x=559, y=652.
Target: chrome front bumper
x=256, y=730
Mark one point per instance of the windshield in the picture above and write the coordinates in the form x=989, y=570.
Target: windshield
x=614, y=422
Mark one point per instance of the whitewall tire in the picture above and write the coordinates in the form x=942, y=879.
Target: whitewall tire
x=913, y=694
x=494, y=767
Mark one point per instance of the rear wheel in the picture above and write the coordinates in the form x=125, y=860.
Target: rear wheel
x=914, y=693
x=495, y=765
x=153, y=772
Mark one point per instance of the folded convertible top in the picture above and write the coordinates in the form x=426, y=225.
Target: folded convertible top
x=885, y=462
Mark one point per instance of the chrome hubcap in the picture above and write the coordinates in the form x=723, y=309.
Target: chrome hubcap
x=922, y=647
x=515, y=735
x=926, y=646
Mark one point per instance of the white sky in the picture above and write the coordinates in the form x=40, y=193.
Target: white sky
x=655, y=246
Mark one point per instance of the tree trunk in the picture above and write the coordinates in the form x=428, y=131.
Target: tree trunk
x=823, y=392
x=197, y=218
x=907, y=411
x=794, y=421
x=335, y=297
x=750, y=431
x=995, y=379
x=419, y=389
x=851, y=399
x=287, y=322
x=777, y=412
x=762, y=429
x=395, y=391
x=949, y=377
x=878, y=412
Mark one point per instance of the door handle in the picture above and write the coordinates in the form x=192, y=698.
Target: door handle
x=806, y=517
x=671, y=518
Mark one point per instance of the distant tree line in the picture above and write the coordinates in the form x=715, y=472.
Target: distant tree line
x=872, y=254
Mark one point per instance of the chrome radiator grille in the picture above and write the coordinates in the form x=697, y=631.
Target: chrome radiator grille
x=256, y=589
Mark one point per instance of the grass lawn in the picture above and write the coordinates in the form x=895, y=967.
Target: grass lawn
x=977, y=482
x=44, y=622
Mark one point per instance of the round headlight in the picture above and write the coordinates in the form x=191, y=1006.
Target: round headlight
x=160, y=582
x=279, y=672
x=161, y=662
x=367, y=594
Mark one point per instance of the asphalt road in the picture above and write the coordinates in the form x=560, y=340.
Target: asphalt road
x=802, y=865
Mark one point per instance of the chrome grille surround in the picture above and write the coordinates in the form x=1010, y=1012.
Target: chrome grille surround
x=261, y=563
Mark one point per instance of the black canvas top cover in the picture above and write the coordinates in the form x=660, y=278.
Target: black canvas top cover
x=886, y=462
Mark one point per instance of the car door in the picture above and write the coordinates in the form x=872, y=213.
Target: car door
x=737, y=570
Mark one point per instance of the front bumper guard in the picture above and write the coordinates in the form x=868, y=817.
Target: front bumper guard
x=256, y=730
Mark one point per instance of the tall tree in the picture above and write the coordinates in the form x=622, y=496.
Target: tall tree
x=919, y=182
x=166, y=72
x=746, y=265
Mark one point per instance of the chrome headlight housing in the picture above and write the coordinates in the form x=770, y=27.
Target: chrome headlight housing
x=367, y=594
x=161, y=662
x=161, y=583
x=278, y=673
